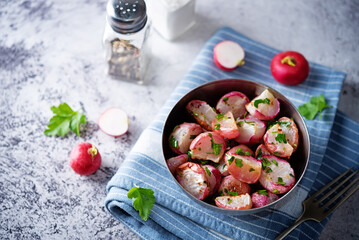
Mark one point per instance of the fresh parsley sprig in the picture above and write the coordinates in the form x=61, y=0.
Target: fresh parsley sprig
x=65, y=119
x=316, y=104
x=144, y=200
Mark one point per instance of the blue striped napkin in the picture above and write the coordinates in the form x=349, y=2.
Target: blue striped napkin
x=334, y=147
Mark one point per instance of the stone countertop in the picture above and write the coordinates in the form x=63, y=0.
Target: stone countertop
x=50, y=52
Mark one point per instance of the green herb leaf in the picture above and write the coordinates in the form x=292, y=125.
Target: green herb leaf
x=265, y=163
x=230, y=192
x=281, y=138
x=207, y=171
x=224, y=165
x=144, y=200
x=230, y=160
x=259, y=154
x=189, y=156
x=263, y=192
x=251, y=170
x=275, y=191
x=268, y=170
x=220, y=116
x=173, y=142
x=291, y=175
x=204, y=162
x=196, y=114
x=258, y=101
x=215, y=146
x=65, y=119
x=229, y=201
x=277, y=153
x=225, y=99
x=280, y=181
x=316, y=104
x=216, y=165
x=239, y=151
x=217, y=126
x=275, y=162
x=239, y=162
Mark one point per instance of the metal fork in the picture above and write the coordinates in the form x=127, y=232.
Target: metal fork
x=318, y=209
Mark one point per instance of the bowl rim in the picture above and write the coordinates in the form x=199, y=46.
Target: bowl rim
x=245, y=211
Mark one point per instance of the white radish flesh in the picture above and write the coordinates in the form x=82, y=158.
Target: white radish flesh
x=214, y=178
x=251, y=130
x=208, y=146
x=182, y=136
x=228, y=55
x=113, y=122
x=244, y=168
x=235, y=203
x=225, y=125
x=202, y=113
x=234, y=102
x=264, y=107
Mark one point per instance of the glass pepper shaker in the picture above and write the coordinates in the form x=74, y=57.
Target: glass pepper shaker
x=125, y=40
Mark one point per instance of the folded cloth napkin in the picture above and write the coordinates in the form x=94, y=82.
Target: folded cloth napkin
x=334, y=148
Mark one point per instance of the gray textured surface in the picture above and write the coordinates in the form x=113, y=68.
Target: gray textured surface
x=50, y=52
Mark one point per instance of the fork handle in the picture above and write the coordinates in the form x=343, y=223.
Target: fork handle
x=288, y=230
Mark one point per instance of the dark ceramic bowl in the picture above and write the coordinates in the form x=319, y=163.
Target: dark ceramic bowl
x=211, y=92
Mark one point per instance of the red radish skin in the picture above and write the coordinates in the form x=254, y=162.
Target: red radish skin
x=278, y=168
x=85, y=158
x=240, y=202
x=260, y=200
x=234, y=102
x=264, y=111
x=174, y=162
x=182, y=136
x=262, y=151
x=214, y=178
x=244, y=168
x=230, y=185
x=240, y=148
x=289, y=68
x=113, y=122
x=228, y=55
x=201, y=146
x=192, y=177
x=251, y=130
x=225, y=126
x=202, y=113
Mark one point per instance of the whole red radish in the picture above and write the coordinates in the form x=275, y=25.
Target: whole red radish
x=85, y=159
x=228, y=55
x=289, y=68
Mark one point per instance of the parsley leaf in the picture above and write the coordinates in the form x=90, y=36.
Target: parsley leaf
x=173, y=142
x=239, y=151
x=258, y=101
x=230, y=160
x=316, y=104
x=220, y=116
x=230, y=192
x=263, y=192
x=251, y=170
x=65, y=119
x=259, y=154
x=144, y=200
x=280, y=181
x=238, y=162
x=215, y=146
x=281, y=138
x=217, y=126
x=207, y=171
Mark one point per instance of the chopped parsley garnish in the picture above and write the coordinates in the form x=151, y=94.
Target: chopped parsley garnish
x=268, y=169
x=281, y=138
x=204, y=162
x=230, y=160
x=295, y=145
x=173, y=142
x=251, y=170
x=225, y=99
x=291, y=175
x=275, y=191
x=215, y=146
x=316, y=104
x=221, y=193
x=214, y=110
x=189, y=156
x=239, y=151
x=284, y=124
x=217, y=126
x=263, y=192
x=239, y=162
x=280, y=181
x=230, y=192
x=240, y=123
x=207, y=171
x=259, y=154
x=196, y=114
x=220, y=116
x=277, y=153
x=275, y=162
x=229, y=201
x=200, y=149
x=265, y=163
x=258, y=101
x=224, y=165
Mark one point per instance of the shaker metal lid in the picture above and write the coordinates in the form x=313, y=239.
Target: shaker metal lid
x=126, y=16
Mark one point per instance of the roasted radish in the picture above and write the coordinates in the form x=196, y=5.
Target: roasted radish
x=233, y=102
x=241, y=149
x=208, y=146
x=174, y=162
x=262, y=198
x=202, y=113
x=262, y=151
x=228, y=55
x=222, y=167
x=233, y=187
x=264, y=107
x=214, y=178
x=192, y=177
x=182, y=136
x=240, y=202
x=282, y=138
x=277, y=175
x=244, y=168
x=225, y=125
x=251, y=130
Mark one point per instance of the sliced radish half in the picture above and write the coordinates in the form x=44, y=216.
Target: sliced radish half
x=113, y=122
x=228, y=55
